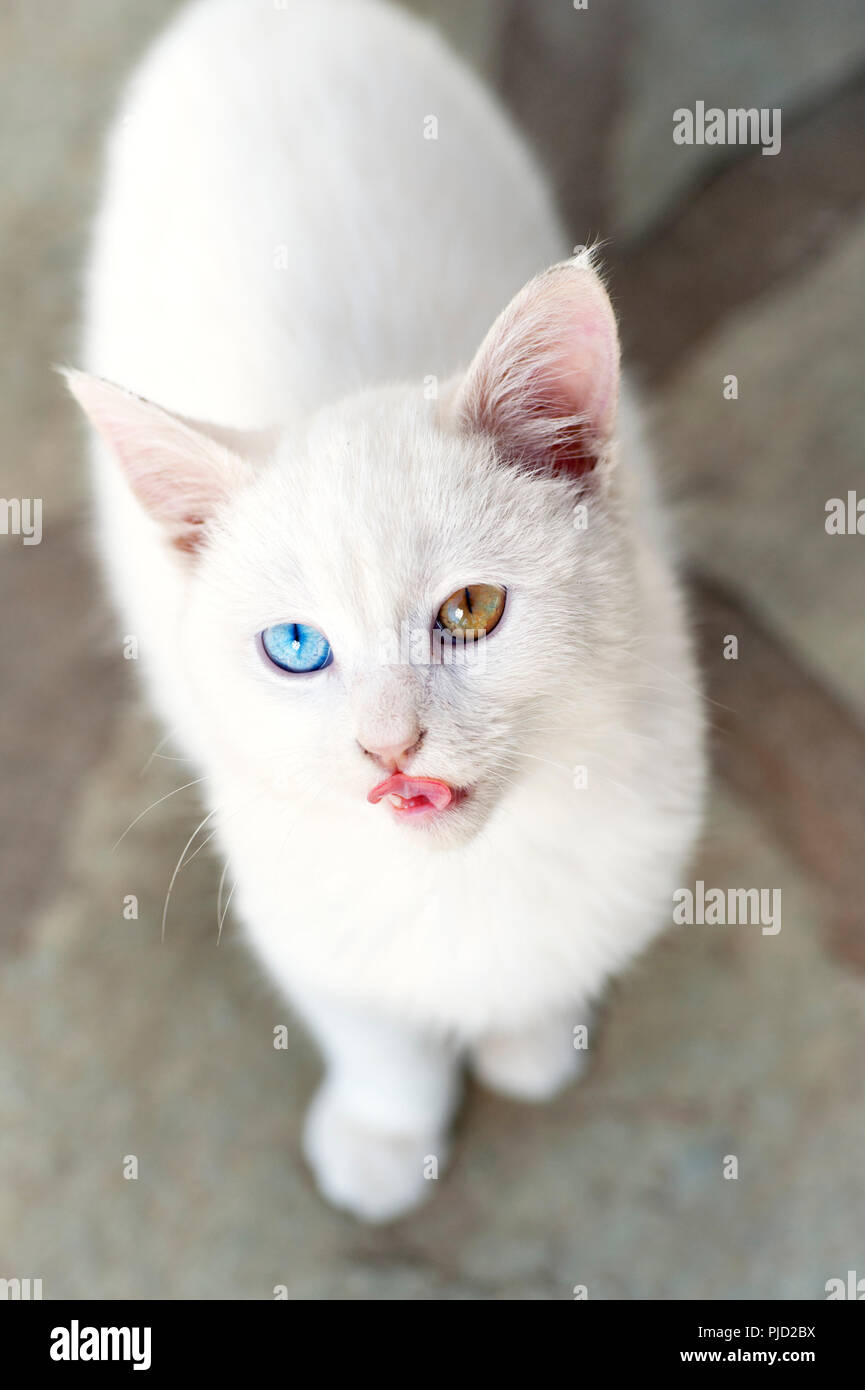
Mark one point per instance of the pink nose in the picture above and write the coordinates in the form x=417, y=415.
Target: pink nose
x=392, y=754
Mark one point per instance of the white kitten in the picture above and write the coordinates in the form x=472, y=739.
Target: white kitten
x=284, y=253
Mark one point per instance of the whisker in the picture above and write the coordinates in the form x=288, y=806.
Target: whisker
x=219, y=918
x=179, y=865
x=227, y=906
x=153, y=805
x=161, y=744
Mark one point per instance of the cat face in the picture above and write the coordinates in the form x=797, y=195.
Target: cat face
x=360, y=533
x=329, y=584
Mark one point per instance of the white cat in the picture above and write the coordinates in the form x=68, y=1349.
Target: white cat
x=312, y=215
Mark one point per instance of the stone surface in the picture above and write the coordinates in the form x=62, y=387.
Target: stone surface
x=561, y=74
x=60, y=75
x=757, y=471
x=782, y=53
x=793, y=754
x=754, y=227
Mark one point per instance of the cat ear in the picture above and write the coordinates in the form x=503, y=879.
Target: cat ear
x=544, y=384
x=179, y=470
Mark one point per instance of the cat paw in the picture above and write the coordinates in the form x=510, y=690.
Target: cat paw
x=533, y=1065
x=377, y=1176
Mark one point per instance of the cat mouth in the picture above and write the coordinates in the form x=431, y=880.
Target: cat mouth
x=416, y=797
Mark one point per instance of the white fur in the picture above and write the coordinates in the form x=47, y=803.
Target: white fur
x=255, y=138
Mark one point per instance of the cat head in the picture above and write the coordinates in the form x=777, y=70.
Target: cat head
x=402, y=598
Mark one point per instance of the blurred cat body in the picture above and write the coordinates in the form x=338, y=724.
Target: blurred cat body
x=312, y=217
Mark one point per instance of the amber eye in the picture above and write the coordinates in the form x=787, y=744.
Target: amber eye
x=476, y=609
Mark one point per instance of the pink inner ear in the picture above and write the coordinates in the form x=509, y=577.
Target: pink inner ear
x=545, y=381
x=179, y=474
x=178, y=481
x=570, y=446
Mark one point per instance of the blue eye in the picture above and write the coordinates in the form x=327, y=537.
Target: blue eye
x=296, y=647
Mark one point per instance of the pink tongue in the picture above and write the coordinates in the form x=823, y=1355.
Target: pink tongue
x=437, y=793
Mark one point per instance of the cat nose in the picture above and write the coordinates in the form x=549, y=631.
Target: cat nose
x=391, y=754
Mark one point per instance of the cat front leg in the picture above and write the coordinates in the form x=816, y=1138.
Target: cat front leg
x=376, y=1133
x=536, y=1062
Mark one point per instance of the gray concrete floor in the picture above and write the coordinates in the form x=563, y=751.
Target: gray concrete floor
x=718, y=1042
